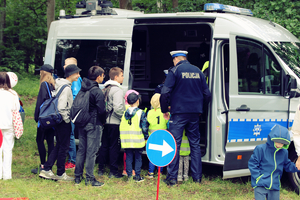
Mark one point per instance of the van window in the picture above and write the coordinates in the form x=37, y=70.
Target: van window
x=104, y=53
x=258, y=70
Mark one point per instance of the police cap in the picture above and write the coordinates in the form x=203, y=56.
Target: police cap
x=178, y=53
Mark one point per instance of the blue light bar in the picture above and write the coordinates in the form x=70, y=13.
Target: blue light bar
x=216, y=7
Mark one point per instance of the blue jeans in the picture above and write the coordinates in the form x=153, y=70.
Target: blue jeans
x=89, y=143
x=189, y=122
x=129, y=161
x=262, y=193
x=72, y=148
x=152, y=168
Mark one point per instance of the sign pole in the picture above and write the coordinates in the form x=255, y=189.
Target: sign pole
x=158, y=179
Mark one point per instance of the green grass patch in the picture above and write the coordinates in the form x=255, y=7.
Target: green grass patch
x=26, y=184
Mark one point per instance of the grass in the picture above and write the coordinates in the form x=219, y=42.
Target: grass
x=26, y=184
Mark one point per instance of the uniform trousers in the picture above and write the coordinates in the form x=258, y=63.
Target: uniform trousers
x=189, y=123
x=6, y=153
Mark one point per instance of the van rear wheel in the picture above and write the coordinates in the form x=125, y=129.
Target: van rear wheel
x=294, y=178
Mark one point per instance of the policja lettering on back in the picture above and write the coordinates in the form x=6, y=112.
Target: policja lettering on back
x=190, y=75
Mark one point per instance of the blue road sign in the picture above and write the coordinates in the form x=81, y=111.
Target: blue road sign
x=161, y=148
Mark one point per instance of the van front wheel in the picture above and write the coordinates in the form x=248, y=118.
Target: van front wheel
x=294, y=178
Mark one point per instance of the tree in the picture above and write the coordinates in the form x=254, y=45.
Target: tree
x=126, y=4
x=50, y=12
x=2, y=26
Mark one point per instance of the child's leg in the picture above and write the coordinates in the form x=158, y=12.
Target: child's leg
x=129, y=160
x=7, y=147
x=138, y=161
x=124, y=164
x=180, y=168
x=186, y=164
x=273, y=194
x=260, y=193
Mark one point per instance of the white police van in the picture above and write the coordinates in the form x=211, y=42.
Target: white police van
x=253, y=68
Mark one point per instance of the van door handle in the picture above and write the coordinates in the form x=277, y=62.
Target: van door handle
x=243, y=108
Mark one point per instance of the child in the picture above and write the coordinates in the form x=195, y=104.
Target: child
x=184, y=159
x=126, y=107
x=156, y=121
x=46, y=79
x=9, y=102
x=62, y=130
x=267, y=162
x=111, y=134
x=133, y=133
x=90, y=135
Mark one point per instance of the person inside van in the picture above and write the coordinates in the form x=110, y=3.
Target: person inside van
x=115, y=109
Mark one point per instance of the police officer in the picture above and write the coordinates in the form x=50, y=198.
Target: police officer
x=186, y=91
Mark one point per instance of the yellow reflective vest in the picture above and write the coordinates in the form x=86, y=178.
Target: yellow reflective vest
x=156, y=120
x=185, y=146
x=131, y=134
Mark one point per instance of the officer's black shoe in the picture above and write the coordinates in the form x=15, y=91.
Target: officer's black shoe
x=78, y=179
x=171, y=182
x=100, y=172
x=196, y=180
x=93, y=182
x=117, y=175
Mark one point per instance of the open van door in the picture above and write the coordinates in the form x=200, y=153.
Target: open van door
x=256, y=101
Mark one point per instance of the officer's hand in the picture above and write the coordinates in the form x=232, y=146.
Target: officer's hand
x=298, y=163
x=166, y=116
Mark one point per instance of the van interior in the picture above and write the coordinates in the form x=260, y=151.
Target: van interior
x=151, y=45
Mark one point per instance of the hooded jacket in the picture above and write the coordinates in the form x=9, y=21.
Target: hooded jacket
x=116, y=102
x=65, y=99
x=267, y=162
x=96, y=99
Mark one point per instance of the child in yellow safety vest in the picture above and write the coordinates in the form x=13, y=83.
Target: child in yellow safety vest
x=133, y=133
x=156, y=121
x=184, y=153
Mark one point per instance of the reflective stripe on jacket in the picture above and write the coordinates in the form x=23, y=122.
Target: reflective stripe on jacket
x=131, y=134
x=185, y=146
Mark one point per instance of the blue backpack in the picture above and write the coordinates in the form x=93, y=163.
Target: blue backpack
x=49, y=116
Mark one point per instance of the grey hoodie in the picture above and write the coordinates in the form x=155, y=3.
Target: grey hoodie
x=116, y=101
x=65, y=99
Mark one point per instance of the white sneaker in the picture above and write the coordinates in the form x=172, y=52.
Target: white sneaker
x=47, y=174
x=179, y=179
x=185, y=177
x=64, y=177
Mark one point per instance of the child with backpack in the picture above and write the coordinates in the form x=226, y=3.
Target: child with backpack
x=114, y=100
x=133, y=134
x=156, y=121
x=46, y=83
x=63, y=129
x=9, y=102
x=267, y=163
x=90, y=132
x=76, y=85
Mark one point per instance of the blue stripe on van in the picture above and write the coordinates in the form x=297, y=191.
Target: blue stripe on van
x=242, y=130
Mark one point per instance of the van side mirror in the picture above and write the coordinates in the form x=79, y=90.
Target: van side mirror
x=291, y=89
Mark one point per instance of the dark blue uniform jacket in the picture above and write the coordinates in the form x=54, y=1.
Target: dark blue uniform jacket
x=185, y=89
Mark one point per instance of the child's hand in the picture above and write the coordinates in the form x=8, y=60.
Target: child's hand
x=166, y=116
x=298, y=163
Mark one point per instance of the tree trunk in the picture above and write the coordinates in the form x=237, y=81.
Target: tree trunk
x=2, y=26
x=175, y=3
x=50, y=12
x=126, y=4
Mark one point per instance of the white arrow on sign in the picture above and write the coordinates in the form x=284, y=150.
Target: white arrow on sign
x=165, y=148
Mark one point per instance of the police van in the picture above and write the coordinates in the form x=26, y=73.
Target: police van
x=253, y=71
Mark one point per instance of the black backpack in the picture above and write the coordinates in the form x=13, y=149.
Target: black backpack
x=79, y=113
x=49, y=116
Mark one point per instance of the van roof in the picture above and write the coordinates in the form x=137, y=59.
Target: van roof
x=235, y=23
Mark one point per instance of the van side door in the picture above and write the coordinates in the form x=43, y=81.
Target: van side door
x=256, y=101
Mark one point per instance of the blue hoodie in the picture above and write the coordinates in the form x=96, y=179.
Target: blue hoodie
x=267, y=162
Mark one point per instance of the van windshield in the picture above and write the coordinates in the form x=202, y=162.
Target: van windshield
x=289, y=52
